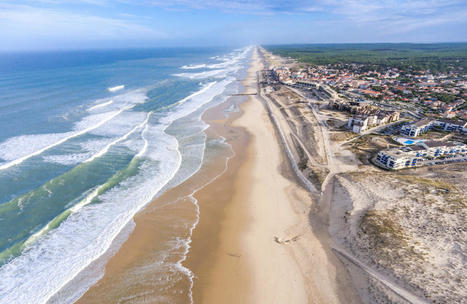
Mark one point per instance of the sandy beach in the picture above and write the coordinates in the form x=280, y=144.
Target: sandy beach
x=249, y=266
x=268, y=252
x=233, y=152
x=253, y=243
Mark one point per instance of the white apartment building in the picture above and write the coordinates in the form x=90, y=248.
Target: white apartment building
x=451, y=125
x=422, y=126
x=358, y=124
x=417, y=128
x=422, y=154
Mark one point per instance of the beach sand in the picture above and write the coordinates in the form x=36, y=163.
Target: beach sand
x=267, y=251
x=247, y=264
x=254, y=242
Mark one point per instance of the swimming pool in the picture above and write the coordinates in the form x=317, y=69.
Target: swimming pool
x=407, y=141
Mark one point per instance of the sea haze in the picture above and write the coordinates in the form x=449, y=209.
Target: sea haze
x=87, y=139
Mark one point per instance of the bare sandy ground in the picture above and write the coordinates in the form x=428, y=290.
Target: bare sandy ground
x=402, y=235
x=410, y=228
x=268, y=251
x=258, y=240
x=261, y=192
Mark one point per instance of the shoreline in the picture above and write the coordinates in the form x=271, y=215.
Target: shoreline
x=251, y=244
x=271, y=240
x=240, y=271
x=136, y=250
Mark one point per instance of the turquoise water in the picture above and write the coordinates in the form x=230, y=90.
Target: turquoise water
x=407, y=141
x=87, y=139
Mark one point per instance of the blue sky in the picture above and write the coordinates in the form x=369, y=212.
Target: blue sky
x=72, y=24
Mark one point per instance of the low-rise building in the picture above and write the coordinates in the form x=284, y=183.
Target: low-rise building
x=302, y=84
x=422, y=126
x=451, y=125
x=328, y=91
x=422, y=154
x=417, y=128
x=358, y=124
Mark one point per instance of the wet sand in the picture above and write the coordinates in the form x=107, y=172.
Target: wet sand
x=245, y=264
x=266, y=250
x=130, y=275
x=253, y=242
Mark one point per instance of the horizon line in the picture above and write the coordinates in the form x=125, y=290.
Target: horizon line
x=24, y=50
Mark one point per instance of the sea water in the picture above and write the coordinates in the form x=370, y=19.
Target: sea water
x=87, y=139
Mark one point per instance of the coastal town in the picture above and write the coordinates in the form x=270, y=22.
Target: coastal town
x=442, y=93
x=233, y=152
x=405, y=103
x=383, y=154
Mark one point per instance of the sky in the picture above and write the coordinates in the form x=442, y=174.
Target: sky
x=82, y=24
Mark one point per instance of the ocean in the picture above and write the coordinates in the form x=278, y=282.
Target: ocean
x=87, y=139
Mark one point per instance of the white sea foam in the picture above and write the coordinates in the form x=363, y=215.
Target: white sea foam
x=188, y=241
x=227, y=66
x=52, y=261
x=146, y=142
x=197, y=100
x=201, y=91
x=221, y=65
x=193, y=66
x=116, y=88
x=207, y=74
x=122, y=125
x=67, y=159
x=225, y=63
x=120, y=132
x=120, y=139
x=101, y=105
x=93, y=121
x=24, y=145
x=62, y=140
x=94, y=145
x=130, y=97
x=26, y=279
x=17, y=149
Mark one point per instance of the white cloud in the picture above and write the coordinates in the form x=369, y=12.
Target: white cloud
x=23, y=25
x=52, y=22
x=391, y=17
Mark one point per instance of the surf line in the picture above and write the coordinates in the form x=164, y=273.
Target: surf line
x=94, y=193
x=186, y=270
x=100, y=105
x=124, y=137
x=117, y=88
x=204, y=89
x=88, y=199
x=79, y=133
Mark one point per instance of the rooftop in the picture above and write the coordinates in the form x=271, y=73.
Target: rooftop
x=416, y=148
x=452, y=121
x=422, y=122
x=438, y=143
